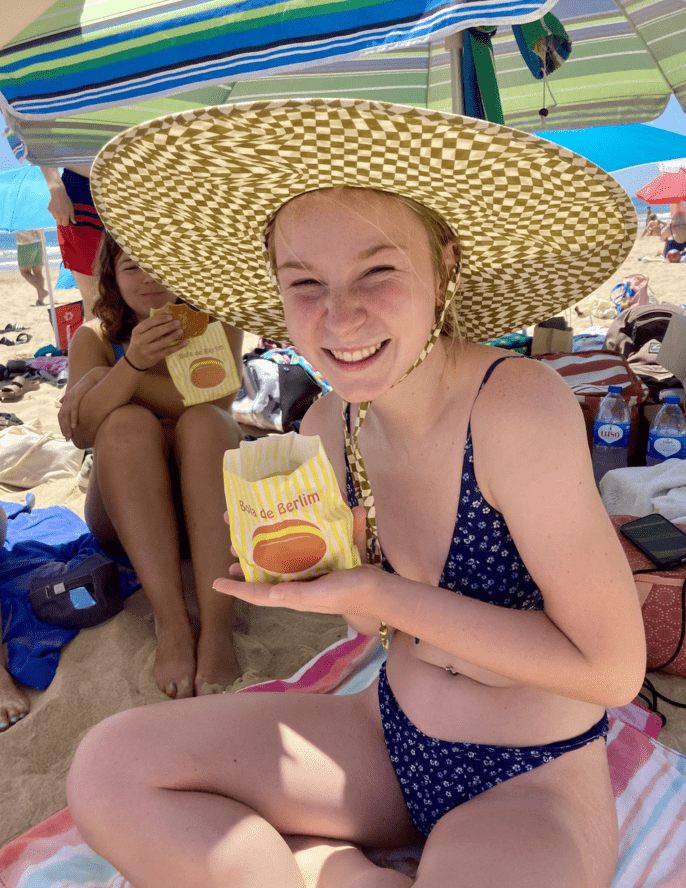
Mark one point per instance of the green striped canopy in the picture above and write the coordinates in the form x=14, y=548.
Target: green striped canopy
x=85, y=71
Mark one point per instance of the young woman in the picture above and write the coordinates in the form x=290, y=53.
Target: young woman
x=151, y=483
x=674, y=234
x=512, y=626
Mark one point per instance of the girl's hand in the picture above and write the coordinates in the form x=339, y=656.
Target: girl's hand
x=153, y=339
x=68, y=415
x=345, y=592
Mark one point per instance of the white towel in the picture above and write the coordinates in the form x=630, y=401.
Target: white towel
x=642, y=490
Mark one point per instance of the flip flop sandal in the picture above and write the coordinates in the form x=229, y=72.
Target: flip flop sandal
x=15, y=390
x=11, y=328
x=24, y=337
x=9, y=419
x=6, y=341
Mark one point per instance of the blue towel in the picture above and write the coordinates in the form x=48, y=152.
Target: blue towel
x=34, y=540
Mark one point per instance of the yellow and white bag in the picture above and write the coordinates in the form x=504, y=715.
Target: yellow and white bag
x=205, y=370
x=287, y=516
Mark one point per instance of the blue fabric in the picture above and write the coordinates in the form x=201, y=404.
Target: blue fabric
x=436, y=776
x=65, y=280
x=118, y=350
x=42, y=542
x=483, y=561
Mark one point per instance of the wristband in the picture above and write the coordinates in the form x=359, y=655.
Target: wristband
x=139, y=369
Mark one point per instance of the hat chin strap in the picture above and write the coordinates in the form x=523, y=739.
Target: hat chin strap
x=363, y=488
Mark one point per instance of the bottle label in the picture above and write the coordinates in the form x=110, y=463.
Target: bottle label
x=664, y=447
x=611, y=434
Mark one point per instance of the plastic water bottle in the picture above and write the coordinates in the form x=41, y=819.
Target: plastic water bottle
x=611, y=429
x=667, y=434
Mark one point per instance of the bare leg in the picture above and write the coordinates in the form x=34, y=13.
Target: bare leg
x=34, y=276
x=203, y=433
x=88, y=287
x=325, y=862
x=130, y=500
x=13, y=704
x=201, y=793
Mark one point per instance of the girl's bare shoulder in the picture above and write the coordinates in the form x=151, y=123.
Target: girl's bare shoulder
x=90, y=340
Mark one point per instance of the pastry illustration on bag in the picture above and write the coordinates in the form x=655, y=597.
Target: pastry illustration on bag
x=288, y=546
x=206, y=373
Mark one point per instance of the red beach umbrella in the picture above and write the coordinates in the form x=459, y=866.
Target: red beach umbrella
x=667, y=188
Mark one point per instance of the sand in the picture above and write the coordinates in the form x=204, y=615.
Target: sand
x=108, y=669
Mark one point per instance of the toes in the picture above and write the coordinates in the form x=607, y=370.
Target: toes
x=185, y=688
x=10, y=715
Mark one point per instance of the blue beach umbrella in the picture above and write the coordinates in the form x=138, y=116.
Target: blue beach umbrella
x=24, y=197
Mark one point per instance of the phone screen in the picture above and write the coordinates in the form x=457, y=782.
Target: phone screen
x=658, y=538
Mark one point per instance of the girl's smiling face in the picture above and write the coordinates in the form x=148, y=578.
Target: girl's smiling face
x=359, y=286
x=138, y=290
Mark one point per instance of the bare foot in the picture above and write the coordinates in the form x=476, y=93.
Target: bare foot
x=13, y=704
x=325, y=863
x=218, y=667
x=174, y=667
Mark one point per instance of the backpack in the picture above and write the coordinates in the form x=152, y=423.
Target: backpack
x=637, y=334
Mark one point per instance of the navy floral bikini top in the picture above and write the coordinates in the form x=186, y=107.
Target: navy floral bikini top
x=483, y=561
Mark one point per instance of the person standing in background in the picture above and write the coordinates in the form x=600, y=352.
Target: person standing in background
x=30, y=260
x=79, y=229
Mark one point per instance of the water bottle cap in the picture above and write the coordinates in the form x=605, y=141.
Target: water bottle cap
x=672, y=399
x=614, y=389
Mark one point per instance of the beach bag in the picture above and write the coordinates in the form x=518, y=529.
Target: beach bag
x=637, y=335
x=28, y=457
x=632, y=291
x=279, y=387
x=662, y=595
x=287, y=517
x=589, y=374
x=77, y=598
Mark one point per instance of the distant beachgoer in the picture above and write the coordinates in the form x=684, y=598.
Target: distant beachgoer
x=653, y=227
x=153, y=482
x=674, y=235
x=30, y=260
x=79, y=229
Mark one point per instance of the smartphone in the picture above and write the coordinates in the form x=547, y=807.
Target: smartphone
x=657, y=538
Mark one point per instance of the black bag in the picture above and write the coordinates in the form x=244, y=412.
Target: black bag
x=637, y=334
x=78, y=597
x=275, y=396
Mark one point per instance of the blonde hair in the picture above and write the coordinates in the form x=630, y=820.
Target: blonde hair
x=440, y=236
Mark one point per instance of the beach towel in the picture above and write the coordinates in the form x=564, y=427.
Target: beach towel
x=642, y=490
x=648, y=779
x=35, y=540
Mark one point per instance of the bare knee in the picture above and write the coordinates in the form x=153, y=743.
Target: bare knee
x=205, y=429
x=104, y=767
x=128, y=428
x=207, y=418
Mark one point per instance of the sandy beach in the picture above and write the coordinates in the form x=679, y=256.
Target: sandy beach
x=109, y=668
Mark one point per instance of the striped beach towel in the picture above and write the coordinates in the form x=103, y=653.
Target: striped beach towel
x=649, y=783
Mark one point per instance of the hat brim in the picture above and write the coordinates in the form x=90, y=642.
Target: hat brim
x=188, y=196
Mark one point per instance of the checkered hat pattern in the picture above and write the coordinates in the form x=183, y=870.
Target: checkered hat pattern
x=188, y=197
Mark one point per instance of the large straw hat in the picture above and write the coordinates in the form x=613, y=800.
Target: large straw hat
x=188, y=197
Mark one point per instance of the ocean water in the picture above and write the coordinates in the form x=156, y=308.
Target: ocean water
x=8, y=250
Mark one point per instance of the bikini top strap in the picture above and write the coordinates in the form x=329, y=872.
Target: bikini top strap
x=487, y=376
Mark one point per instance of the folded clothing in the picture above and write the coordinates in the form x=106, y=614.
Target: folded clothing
x=54, y=534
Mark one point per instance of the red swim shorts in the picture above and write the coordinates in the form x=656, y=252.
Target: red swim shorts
x=79, y=243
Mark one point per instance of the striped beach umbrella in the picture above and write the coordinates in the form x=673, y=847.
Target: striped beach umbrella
x=628, y=58
x=79, y=75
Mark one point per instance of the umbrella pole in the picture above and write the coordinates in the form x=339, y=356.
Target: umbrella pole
x=46, y=266
x=454, y=43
